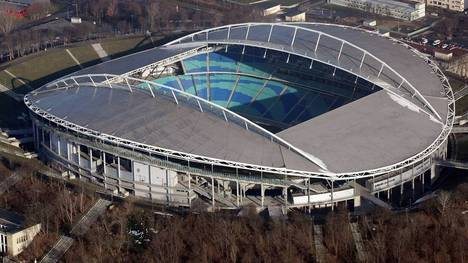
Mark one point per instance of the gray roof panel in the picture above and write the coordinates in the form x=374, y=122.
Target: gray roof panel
x=159, y=122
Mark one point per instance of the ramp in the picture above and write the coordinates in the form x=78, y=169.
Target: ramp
x=361, y=253
x=320, y=249
x=58, y=250
x=453, y=163
x=276, y=211
x=90, y=217
x=364, y=192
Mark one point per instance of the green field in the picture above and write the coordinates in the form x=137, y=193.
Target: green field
x=113, y=47
x=40, y=68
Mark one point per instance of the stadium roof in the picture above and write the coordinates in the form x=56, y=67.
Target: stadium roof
x=385, y=62
x=139, y=117
x=137, y=60
x=374, y=131
x=403, y=123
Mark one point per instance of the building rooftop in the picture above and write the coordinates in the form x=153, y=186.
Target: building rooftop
x=10, y=221
x=266, y=5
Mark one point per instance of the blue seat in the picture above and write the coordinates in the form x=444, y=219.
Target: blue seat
x=220, y=62
x=195, y=64
x=201, y=85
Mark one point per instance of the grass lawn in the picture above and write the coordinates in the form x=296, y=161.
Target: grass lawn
x=43, y=67
x=113, y=46
x=32, y=70
x=84, y=53
x=5, y=79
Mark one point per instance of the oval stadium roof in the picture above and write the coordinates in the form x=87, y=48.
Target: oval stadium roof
x=399, y=125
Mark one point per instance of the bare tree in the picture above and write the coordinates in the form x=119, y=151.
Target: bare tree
x=443, y=199
x=7, y=21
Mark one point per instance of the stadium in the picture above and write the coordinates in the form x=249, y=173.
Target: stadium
x=287, y=114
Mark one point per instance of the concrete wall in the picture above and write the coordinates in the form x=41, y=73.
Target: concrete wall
x=18, y=241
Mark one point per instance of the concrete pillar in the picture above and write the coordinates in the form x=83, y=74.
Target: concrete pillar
x=104, y=162
x=78, y=151
x=68, y=150
x=262, y=194
x=58, y=145
x=118, y=168
x=90, y=159
x=189, y=187
x=285, y=196
x=237, y=193
x=212, y=193
x=401, y=188
x=308, y=195
x=332, y=199
x=43, y=135
x=50, y=140
x=34, y=127
x=357, y=201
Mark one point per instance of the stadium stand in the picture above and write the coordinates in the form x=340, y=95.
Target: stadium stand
x=265, y=86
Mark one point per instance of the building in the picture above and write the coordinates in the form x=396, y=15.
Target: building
x=454, y=5
x=282, y=114
x=442, y=54
x=14, y=236
x=370, y=23
x=295, y=15
x=400, y=10
x=268, y=8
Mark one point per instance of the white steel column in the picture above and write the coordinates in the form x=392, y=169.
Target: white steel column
x=317, y=44
x=341, y=49
x=294, y=37
x=362, y=60
x=271, y=31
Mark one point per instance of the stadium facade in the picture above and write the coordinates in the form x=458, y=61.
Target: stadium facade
x=291, y=114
